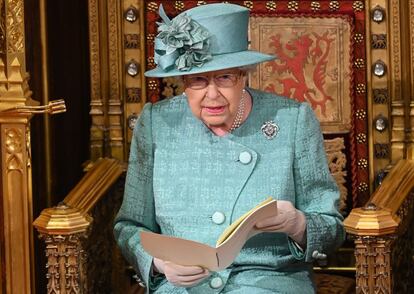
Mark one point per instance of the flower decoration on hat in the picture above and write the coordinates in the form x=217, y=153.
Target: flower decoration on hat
x=181, y=42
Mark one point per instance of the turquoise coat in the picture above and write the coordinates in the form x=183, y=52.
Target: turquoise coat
x=187, y=182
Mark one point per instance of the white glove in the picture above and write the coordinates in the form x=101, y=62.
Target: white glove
x=179, y=275
x=288, y=220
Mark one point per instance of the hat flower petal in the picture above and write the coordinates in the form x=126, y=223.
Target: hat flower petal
x=186, y=36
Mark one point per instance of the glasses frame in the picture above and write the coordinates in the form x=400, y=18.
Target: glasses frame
x=209, y=78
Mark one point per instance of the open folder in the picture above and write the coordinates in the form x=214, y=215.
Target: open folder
x=228, y=246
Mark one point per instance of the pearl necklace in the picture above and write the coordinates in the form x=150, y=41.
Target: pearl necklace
x=240, y=113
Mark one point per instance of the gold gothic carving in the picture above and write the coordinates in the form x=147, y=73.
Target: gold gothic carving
x=97, y=112
x=15, y=26
x=313, y=64
x=115, y=133
x=64, y=259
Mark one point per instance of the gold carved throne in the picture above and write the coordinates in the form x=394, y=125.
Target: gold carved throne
x=348, y=59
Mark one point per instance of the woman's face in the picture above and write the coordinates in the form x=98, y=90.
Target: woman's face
x=214, y=97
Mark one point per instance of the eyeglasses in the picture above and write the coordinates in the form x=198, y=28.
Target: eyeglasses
x=225, y=80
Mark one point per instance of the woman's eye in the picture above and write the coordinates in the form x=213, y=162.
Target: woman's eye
x=224, y=77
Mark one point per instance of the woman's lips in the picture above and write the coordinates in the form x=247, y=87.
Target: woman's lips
x=215, y=109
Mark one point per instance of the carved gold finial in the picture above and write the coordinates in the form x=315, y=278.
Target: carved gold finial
x=370, y=206
x=62, y=220
x=370, y=221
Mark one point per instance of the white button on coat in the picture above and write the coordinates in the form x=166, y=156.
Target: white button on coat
x=218, y=217
x=245, y=157
x=216, y=283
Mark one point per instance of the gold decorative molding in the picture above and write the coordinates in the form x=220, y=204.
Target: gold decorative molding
x=410, y=139
x=396, y=102
x=115, y=111
x=116, y=37
x=97, y=112
x=12, y=26
x=16, y=203
x=16, y=262
x=366, y=222
x=94, y=184
x=134, y=84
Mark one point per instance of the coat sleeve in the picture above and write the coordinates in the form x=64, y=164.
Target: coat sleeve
x=317, y=194
x=137, y=211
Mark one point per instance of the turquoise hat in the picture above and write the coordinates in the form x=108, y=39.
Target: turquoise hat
x=202, y=39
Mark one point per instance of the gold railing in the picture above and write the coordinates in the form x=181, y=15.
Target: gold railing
x=383, y=243
x=64, y=228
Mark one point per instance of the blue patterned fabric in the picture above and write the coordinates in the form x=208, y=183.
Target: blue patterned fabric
x=180, y=174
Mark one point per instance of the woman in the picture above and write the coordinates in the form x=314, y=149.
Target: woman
x=200, y=160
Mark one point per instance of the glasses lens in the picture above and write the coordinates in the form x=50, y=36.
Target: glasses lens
x=226, y=80
x=197, y=82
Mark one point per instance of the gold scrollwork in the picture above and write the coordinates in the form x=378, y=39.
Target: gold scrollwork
x=13, y=141
x=15, y=26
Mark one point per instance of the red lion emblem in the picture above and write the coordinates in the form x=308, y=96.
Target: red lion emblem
x=300, y=53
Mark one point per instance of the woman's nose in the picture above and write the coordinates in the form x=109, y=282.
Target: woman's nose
x=212, y=90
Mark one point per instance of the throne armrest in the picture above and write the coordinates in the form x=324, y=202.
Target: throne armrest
x=65, y=227
x=382, y=240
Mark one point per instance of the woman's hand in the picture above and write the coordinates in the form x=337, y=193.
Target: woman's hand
x=288, y=220
x=179, y=275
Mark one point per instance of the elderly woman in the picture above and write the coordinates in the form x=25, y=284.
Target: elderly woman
x=200, y=160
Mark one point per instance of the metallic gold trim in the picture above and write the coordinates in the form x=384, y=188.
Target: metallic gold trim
x=16, y=198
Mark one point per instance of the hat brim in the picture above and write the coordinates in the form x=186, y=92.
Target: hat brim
x=219, y=62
